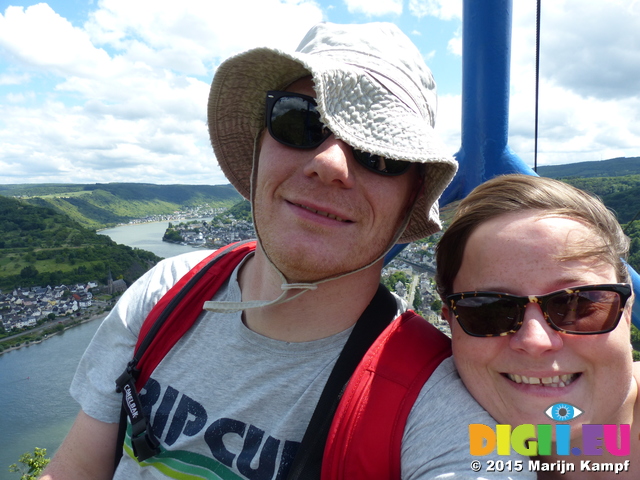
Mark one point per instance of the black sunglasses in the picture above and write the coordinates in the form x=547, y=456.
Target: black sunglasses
x=294, y=121
x=586, y=310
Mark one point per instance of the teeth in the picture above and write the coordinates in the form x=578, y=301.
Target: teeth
x=556, y=381
x=324, y=214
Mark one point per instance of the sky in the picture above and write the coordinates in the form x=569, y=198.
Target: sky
x=115, y=90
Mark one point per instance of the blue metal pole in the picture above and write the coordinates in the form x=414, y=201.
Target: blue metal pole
x=486, y=63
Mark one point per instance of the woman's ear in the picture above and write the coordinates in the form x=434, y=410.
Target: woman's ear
x=447, y=314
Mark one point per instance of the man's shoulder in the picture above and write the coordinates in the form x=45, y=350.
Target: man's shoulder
x=177, y=266
x=189, y=260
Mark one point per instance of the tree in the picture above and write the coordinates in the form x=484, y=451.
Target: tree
x=436, y=305
x=391, y=280
x=172, y=235
x=29, y=272
x=417, y=299
x=635, y=342
x=32, y=465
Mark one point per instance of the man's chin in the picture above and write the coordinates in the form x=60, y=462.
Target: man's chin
x=306, y=269
x=313, y=260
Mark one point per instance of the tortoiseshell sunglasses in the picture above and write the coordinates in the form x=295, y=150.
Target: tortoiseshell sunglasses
x=585, y=310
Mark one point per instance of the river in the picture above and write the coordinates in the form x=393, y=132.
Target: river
x=147, y=236
x=37, y=410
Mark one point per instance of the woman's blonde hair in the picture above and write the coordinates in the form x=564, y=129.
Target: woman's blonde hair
x=515, y=193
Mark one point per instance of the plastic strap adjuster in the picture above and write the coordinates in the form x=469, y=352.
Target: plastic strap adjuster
x=144, y=443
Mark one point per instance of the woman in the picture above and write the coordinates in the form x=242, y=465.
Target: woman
x=558, y=333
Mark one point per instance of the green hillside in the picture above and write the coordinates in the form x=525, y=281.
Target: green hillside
x=40, y=246
x=615, y=167
x=620, y=194
x=101, y=205
x=615, y=181
x=241, y=211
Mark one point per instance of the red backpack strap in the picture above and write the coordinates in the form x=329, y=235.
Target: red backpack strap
x=365, y=438
x=180, y=307
x=166, y=323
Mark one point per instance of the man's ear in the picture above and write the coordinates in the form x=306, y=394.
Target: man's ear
x=418, y=186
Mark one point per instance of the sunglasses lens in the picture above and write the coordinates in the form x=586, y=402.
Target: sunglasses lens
x=487, y=316
x=295, y=121
x=585, y=312
x=378, y=164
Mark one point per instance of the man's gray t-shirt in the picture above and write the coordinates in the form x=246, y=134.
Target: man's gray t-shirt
x=229, y=403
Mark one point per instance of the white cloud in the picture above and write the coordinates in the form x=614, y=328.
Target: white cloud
x=40, y=38
x=82, y=147
x=19, y=97
x=455, y=44
x=448, y=121
x=589, y=104
x=589, y=55
x=375, y=7
x=197, y=32
x=126, y=92
x=14, y=79
x=427, y=57
x=442, y=9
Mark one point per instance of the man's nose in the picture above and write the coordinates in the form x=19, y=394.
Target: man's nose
x=535, y=336
x=332, y=162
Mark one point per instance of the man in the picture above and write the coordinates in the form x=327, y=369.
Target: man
x=345, y=166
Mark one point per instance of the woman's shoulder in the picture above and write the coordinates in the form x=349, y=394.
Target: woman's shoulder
x=636, y=376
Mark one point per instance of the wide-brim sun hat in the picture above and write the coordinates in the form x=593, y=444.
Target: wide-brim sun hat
x=373, y=91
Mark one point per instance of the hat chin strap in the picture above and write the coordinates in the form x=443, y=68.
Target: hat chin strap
x=288, y=289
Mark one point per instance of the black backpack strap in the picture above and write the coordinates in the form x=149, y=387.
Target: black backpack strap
x=307, y=464
x=144, y=443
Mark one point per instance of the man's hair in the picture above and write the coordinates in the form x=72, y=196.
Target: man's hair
x=516, y=193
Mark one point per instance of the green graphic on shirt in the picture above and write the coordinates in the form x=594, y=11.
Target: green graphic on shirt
x=183, y=465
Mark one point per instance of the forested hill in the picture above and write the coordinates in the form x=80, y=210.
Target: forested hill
x=39, y=246
x=615, y=167
x=615, y=181
x=101, y=205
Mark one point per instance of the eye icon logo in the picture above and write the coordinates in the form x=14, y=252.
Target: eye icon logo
x=563, y=412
